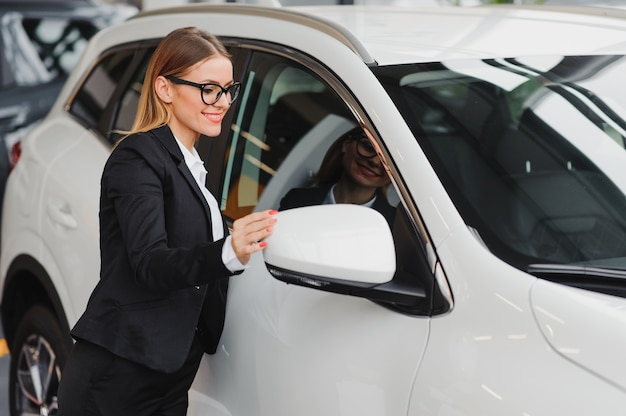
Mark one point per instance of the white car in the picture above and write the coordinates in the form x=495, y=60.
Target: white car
x=500, y=289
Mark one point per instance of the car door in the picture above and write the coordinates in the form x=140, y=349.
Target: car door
x=288, y=349
x=74, y=152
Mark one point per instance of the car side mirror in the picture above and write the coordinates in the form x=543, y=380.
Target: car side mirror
x=340, y=248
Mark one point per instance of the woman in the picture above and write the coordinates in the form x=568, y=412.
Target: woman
x=351, y=173
x=165, y=253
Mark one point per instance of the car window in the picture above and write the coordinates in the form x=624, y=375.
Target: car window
x=127, y=107
x=286, y=120
x=532, y=154
x=281, y=103
x=94, y=97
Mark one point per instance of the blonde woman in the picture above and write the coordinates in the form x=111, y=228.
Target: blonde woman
x=166, y=255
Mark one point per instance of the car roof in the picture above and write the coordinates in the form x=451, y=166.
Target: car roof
x=398, y=34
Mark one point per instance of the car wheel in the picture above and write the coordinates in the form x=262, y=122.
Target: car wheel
x=39, y=352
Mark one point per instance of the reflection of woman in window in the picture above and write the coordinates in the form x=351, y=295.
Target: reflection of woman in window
x=351, y=173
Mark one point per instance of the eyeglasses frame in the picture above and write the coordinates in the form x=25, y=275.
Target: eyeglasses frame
x=201, y=87
x=358, y=137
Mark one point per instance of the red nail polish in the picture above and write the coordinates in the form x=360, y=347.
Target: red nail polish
x=273, y=212
x=262, y=244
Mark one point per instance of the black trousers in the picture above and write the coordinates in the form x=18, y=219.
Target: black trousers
x=96, y=382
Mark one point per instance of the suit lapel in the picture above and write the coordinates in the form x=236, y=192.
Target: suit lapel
x=166, y=138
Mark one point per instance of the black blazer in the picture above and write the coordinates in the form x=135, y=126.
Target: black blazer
x=302, y=197
x=162, y=276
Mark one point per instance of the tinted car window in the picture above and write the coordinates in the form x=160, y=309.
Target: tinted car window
x=281, y=103
x=95, y=94
x=286, y=120
x=516, y=145
x=127, y=104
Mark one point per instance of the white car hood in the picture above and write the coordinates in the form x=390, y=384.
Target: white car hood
x=580, y=325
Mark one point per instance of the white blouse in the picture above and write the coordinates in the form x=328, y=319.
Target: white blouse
x=199, y=172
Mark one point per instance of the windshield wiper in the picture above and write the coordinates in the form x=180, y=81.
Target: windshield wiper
x=597, y=279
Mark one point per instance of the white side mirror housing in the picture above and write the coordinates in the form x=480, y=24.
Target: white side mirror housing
x=327, y=245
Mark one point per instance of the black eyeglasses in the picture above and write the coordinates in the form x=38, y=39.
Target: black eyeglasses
x=363, y=145
x=210, y=93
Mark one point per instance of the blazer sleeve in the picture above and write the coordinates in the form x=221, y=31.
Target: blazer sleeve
x=140, y=184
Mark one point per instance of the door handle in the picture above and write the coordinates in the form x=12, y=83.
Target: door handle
x=60, y=213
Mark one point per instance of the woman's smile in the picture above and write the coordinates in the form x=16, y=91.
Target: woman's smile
x=214, y=117
x=366, y=171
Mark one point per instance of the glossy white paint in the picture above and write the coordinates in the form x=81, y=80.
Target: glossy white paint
x=48, y=185
x=440, y=34
x=348, y=242
x=581, y=327
x=489, y=356
x=338, y=355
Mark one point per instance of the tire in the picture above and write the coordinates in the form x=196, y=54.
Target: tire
x=38, y=354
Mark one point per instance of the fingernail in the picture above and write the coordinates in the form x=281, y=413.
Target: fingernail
x=273, y=212
x=262, y=244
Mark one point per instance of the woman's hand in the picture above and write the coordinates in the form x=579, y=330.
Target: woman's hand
x=249, y=231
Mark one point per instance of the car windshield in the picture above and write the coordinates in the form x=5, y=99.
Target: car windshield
x=531, y=151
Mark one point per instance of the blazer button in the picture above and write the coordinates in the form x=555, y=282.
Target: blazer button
x=197, y=287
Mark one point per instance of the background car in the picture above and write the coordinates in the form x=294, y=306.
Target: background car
x=40, y=42
x=502, y=129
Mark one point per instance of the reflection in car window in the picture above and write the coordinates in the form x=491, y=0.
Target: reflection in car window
x=286, y=121
x=531, y=151
x=281, y=103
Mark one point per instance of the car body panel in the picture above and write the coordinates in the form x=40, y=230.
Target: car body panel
x=41, y=203
x=442, y=33
x=368, y=378
x=67, y=215
x=497, y=359
x=570, y=332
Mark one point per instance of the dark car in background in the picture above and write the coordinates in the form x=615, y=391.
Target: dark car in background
x=40, y=42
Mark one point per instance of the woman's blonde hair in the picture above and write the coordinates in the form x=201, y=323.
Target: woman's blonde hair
x=180, y=50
